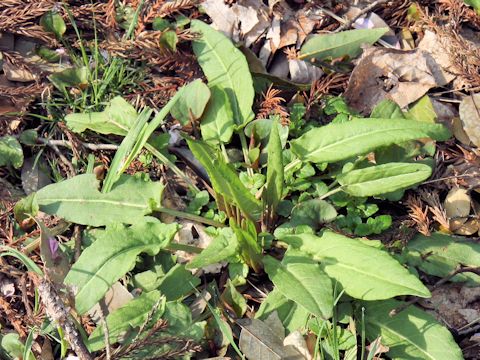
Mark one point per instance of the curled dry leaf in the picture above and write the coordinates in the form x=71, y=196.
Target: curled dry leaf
x=469, y=228
x=470, y=116
x=457, y=207
x=246, y=20
x=401, y=76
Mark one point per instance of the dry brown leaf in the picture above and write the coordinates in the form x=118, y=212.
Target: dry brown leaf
x=432, y=45
x=469, y=228
x=457, y=207
x=378, y=346
x=246, y=20
x=401, y=76
x=297, y=340
x=115, y=298
x=459, y=132
x=470, y=116
x=455, y=304
x=259, y=341
x=302, y=72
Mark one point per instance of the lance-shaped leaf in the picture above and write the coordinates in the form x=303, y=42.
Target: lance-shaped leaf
x=112, y=255
x=222, y=246
x=381, y=179
x=191, y=105
x=78, y=200
x=227, y=69
x=117, y=118
x=302, y=280
x=130, y=316
x=275, y=174
x=363, y=271
x=441, y=254
x=217, y=121
x=411, y=334
x=335, y=142
x=345, y=43
x=11, y=152
x=225, y=180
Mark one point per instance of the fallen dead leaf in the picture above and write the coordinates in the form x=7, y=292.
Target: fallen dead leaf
x=302, y=72
x=259, y=341
x=7, y=287
x=469, y=228
x=457, y=207
x=115, y=298
x=455, y=304
x=470, y=116
x=246, y=20
x=297, y=340
x=378, y=347
x=401, y=76
x=438, y=54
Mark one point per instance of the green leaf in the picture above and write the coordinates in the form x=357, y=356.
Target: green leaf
x=112, y=255
x=130, y=316
x=78, y=200
x=250, y=249
x=226, y=68
x=178, y=283
x=346, y=43
x=222, y=246
x=387, y=109
x=225, y=181
x=475, y=4
x=313, y=213
x=232, y=297
x=441, y=254
x=292, y=315
x=117, y=118
x=52, y=22
x=191, y=105
x=11, y=152
x=170, y=40
x=217, y=121
x=381, y=179
x=335, y=142
x=160, y=24
x=301, y=280
x=363, y=271
x=411, y=334
x=275, y=175
x=48, y=55
x=73, y=77
x=422, y=111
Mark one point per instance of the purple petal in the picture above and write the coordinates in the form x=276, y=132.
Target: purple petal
x=53, y=244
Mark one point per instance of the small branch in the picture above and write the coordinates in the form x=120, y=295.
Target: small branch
x=66, y=143
x=103, y=314
x=364, y=11
x=460, y=270
x=57, y=312
x=62, y=157
x=188, y=216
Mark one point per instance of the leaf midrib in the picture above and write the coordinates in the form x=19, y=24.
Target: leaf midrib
x=388, y=178
x=106, y=263
x=303, y=56
x=382, y=325
x=301, y=285
x=226, y=75
x=354, y=137
x=322, y=260
x=97, y=201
